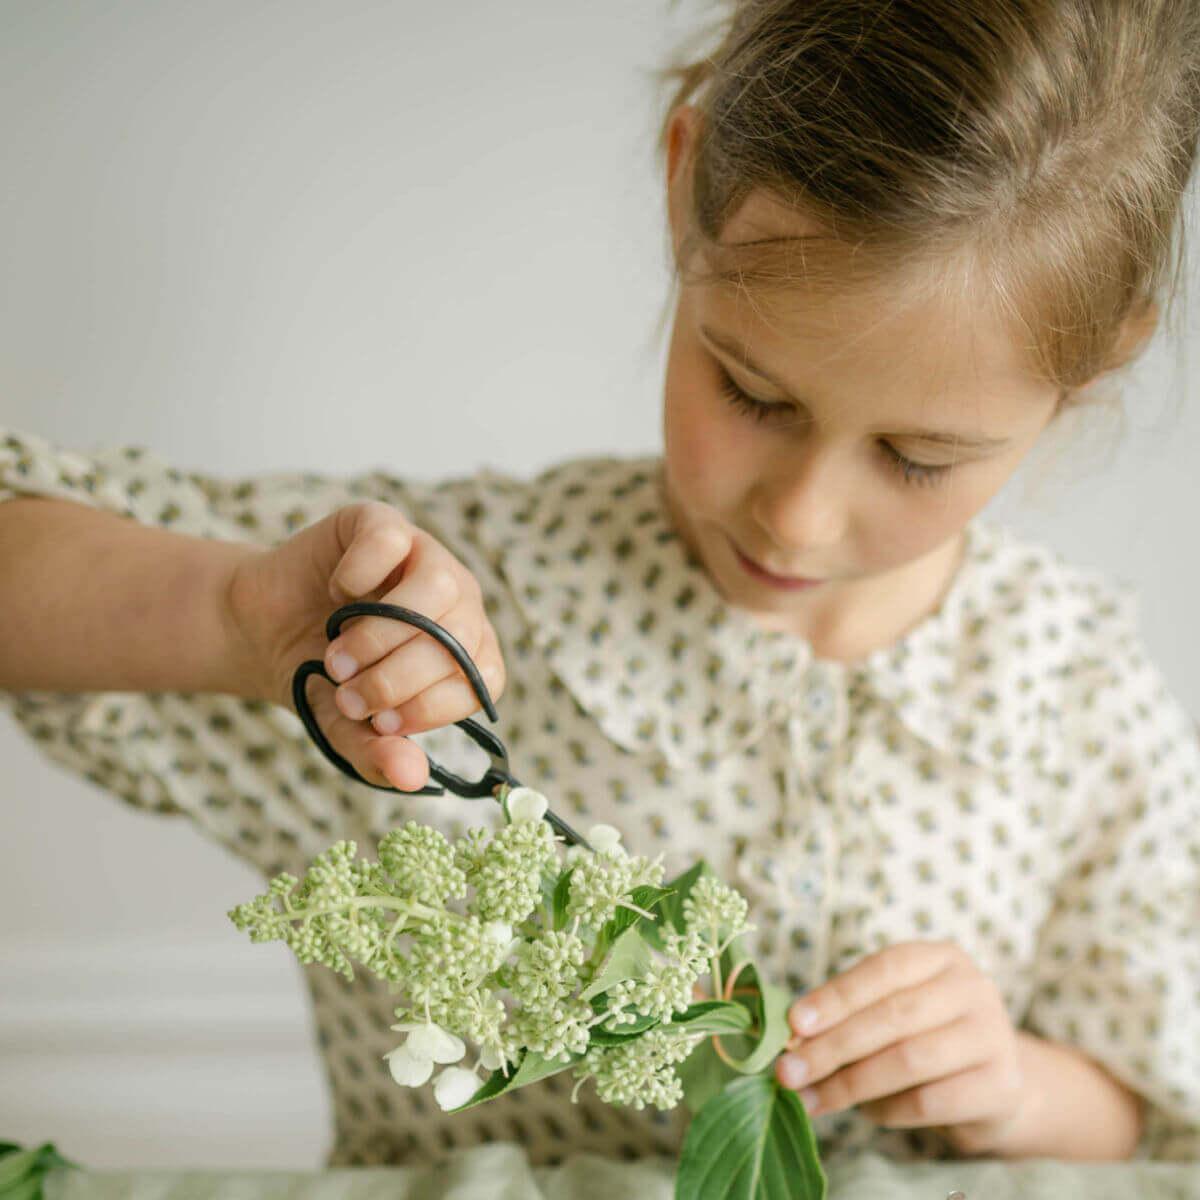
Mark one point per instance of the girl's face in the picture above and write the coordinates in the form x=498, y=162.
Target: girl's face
x=837, y=448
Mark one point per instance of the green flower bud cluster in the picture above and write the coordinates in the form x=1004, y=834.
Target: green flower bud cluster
x=421, y=863
x=713, y=905
x=507, y=876
x=666, y=988
x=449, y=955
x=547, y=970
x=640, y=1071
x=601, y=882
x=499, y=969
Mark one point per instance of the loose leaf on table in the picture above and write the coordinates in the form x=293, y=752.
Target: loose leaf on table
x=22, y=1171
x=751, y=1141
x=629, y=958
x=531, y=1068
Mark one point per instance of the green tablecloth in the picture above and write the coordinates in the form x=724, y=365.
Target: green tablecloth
x=501, y=1172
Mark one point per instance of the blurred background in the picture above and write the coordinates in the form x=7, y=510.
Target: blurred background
x=340, y=236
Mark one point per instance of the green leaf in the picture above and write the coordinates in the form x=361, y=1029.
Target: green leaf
x=646, y=896
x=629, y=958
x=703, y=1075
x=709, y=1016
x=530, y=1069
x=770, y=1007
x=22, y=1171
x=714, y=1016
x=562, y=893
x=751, y=1141
x=29, y=1188
x=670, y=908
x=17, y=1165
x=621, y=1033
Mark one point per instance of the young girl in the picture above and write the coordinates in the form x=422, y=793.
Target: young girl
x=963, y=805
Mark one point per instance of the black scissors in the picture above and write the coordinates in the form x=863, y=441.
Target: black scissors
x=496, y=774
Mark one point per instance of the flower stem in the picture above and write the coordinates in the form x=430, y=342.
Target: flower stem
x=408, y=906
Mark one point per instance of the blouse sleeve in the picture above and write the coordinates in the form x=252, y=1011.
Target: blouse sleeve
x=244, y=770
x=1118, y=967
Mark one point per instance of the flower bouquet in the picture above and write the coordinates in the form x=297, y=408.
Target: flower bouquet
x=578, y=960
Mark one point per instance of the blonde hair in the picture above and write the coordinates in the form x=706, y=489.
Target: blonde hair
x=1046, y=145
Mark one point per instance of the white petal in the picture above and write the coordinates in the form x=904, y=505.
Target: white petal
x=605, y=839
x=434, y=1042
x=524, y=804
x=490, y=1059
x=455, y=1086
x=499, y=931
x=407, y=1068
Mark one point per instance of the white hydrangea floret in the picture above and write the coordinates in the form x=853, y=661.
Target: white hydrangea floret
x=455, y=1086
x=411, y=1063
x=605, y=839
x=408, y=1069
x=490, y=1059
x=524, y=804
x=429, y=1040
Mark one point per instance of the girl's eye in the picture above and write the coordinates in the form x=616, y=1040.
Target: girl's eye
x=915, y=472
x=760, y=410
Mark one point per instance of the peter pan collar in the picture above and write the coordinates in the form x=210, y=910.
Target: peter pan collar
x=630, y=622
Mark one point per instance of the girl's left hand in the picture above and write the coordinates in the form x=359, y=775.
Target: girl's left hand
x=916, y=1035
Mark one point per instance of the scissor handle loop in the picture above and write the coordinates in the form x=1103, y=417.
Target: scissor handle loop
x=496, y=774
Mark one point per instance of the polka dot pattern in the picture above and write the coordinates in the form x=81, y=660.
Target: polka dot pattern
x=1013, y=774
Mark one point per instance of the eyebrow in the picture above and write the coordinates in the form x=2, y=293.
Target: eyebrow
x=740, y=354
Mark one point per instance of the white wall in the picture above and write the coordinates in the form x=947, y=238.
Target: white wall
x=339, y=236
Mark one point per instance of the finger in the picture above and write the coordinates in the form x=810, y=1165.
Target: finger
x=889, y=1021
x=412, y=668
x=432, y=589
x=976, y=1094
x=445, y=706
x=388, y=761
x=902, y=965
x=444, y=703
x=928, y=1056
x=377, y=540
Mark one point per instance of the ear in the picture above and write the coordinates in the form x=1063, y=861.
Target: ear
x=682, y=134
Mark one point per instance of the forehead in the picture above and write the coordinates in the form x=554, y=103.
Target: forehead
x=930, y=333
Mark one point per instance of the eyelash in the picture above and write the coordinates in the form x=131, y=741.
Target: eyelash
x=912, y=472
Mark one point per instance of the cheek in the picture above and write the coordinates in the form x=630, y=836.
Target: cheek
x=706, y=454
x=923, y=518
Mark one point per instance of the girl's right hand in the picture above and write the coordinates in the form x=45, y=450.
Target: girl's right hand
x=281, y=598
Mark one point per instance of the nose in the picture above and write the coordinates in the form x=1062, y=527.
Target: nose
x=801, y=504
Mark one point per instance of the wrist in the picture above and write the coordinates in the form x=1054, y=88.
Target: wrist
x=1072, y=1108
x=242, y=670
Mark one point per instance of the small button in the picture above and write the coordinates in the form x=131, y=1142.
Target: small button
x=820, y=699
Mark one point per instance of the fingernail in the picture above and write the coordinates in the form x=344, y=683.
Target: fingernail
x=353, y=705
x=808, y=1098
x=388, y=721
x=342, y=666
x=804, y=1020
x=794, y=1070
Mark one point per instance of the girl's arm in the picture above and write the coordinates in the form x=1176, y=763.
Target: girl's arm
x=93, y=601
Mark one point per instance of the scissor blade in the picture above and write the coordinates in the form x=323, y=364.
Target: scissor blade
x=560, y=826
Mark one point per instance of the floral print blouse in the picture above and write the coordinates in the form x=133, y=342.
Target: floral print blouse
x=1013, y=774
